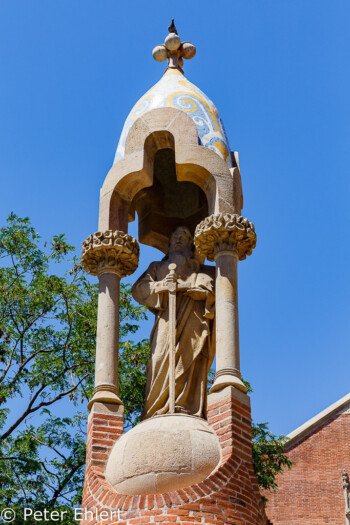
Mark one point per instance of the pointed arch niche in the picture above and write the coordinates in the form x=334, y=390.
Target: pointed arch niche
x=167, y=178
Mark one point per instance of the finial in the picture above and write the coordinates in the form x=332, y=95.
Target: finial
x=173, y=49
x=172, y=27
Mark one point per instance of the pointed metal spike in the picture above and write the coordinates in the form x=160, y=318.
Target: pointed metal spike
x=172, y=27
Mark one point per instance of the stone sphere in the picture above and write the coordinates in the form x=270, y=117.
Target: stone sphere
x=188, y=50
x=172, y=42
x=160, y=53
x=162, y=454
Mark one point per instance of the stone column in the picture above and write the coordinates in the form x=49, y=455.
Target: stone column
x=110, y=255
x=226, y=239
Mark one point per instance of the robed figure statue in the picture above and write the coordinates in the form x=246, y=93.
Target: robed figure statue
x=195, y=334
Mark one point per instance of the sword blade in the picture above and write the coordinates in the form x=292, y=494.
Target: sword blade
x=172, y=340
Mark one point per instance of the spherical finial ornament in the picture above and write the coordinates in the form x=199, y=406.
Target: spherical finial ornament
x=160, y=53
x=173, y=49
x=172, y=42
x=188, y=50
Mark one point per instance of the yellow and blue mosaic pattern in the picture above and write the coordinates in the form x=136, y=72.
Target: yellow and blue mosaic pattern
x=175, y=91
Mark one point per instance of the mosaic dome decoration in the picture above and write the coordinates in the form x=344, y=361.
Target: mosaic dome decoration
x=175, y=91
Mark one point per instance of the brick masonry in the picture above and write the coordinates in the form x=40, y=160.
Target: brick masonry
x=311, y=493
x=230, y=495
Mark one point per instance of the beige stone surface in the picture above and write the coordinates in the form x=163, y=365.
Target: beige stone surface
x=107, y=340
x=110, y=255
x=156, y=130
x=106, y=409
x=160, y=53
x=227, y=326
x=163, y=453
x=227, y=393
x=168, y=203
x=194, y=335
x=174, y=50
x=107, y=329
x=226, y=238
x=237, y=189
x=113, y=251
x=225, y=232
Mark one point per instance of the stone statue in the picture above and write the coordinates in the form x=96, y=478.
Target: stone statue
x=195, y=335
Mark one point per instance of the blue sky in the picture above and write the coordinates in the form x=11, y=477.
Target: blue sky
x=279, y=73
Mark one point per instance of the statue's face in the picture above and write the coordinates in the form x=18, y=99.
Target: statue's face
x=181, y=240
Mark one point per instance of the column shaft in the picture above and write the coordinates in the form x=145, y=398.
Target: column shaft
x=227, y=324
x=107, y=339
x=227, y=336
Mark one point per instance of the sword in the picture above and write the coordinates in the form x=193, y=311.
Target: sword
x=172, y=339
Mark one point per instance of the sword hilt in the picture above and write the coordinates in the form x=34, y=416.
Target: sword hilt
x=172, y=268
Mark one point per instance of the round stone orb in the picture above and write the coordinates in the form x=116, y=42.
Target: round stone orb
x=160, y=53
x=162, y=454
x=172, y=42
x=188, y=50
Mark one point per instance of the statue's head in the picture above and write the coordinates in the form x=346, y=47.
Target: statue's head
x=181, y=241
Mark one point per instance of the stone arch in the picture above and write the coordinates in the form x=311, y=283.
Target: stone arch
x=163, y=129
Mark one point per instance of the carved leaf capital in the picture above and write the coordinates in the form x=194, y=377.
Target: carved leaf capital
x=110, y=251
x=225, y=231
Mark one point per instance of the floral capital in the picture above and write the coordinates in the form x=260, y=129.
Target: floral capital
x=113, y=251
x=225, y=231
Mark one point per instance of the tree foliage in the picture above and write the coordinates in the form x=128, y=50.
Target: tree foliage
x=47, y=348
x=269, y=459
x=47, y=351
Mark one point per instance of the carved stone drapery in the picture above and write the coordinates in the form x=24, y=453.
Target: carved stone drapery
x=346, y=485
x=110, y=251
x=226, y=238
x=110, y=255
x=225, y=231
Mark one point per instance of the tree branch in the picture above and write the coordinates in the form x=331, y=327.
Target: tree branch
x=65, y=481
x=30, y=410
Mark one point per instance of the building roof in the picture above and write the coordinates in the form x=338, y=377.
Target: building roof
x=317, y=421
x=175, y=91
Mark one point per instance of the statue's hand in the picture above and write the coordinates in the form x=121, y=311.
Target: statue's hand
x=170, y=278
x=163, y=286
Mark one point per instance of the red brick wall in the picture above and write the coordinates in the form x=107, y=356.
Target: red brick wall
x=311, y=493
x=230, y=495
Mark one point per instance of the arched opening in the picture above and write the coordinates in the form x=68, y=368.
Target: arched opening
x=168, y=203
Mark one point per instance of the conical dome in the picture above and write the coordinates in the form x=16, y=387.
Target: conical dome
x=175, y=91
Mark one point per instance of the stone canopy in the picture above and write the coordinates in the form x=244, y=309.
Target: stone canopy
x=168, y=179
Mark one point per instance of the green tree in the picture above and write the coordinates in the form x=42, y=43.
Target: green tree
x=47, y=347
x=269, y=459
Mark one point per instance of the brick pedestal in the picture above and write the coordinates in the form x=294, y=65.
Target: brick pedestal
x=230, y=495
